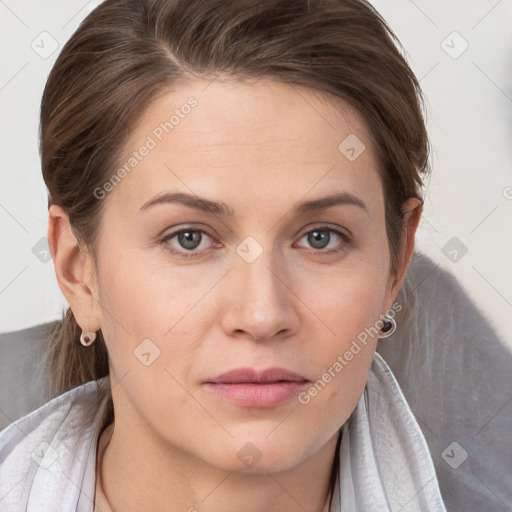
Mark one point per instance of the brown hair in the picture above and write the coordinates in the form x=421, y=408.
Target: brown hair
x=127, y=52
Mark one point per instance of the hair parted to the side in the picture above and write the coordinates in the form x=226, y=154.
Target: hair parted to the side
x=127, y=52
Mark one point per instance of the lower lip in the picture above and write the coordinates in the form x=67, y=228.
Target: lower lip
x=247, y=394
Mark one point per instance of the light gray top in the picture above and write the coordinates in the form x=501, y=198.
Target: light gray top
x=48, y=458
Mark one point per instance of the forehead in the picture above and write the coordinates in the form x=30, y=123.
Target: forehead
x=222, y=134
x=269, y=111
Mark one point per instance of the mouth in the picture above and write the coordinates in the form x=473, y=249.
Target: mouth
x=249, y=387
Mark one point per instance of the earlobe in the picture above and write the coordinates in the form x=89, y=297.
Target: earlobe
x=71, y=264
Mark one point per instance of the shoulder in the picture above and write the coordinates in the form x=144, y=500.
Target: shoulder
x=46, y=451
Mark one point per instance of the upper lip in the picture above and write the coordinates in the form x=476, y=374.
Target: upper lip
x=253, y=375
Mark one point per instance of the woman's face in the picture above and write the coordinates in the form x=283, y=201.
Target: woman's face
x=281, y=264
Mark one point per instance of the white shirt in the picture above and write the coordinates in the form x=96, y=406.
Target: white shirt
x=48, y=458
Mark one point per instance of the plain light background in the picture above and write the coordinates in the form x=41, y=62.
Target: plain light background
x=461, y=51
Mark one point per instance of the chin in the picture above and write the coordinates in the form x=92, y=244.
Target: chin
x=258, y=454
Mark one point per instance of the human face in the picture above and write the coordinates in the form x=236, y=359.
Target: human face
x=303, y=282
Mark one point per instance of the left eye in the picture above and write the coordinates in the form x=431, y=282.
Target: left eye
x=320, y=238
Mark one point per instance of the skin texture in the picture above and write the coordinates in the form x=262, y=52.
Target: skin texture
x=260, y=149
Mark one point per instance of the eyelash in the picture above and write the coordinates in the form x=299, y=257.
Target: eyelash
x=346, y=240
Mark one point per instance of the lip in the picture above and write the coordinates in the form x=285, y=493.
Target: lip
x=249, y=387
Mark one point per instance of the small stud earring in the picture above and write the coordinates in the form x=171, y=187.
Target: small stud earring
x=388, y=327
x=87, y=338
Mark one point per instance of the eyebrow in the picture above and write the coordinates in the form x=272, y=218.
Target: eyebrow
x=192, y=201
x=220, y=208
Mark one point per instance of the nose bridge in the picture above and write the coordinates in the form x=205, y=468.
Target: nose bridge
x=263, y=286
x=262, y=305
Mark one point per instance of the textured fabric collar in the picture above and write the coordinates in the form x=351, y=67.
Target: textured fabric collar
x=385, y=464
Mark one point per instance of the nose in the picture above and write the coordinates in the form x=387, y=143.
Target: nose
x=260, y=304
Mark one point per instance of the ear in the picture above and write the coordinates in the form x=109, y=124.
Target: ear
x=74, y=269
x=412, y=209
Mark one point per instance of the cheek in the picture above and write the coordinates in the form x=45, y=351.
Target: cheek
x=345, y=301
x=350, y=307
x=142, y=300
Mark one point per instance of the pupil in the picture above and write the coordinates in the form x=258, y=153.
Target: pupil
x=319, y=239
x=189, y=239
